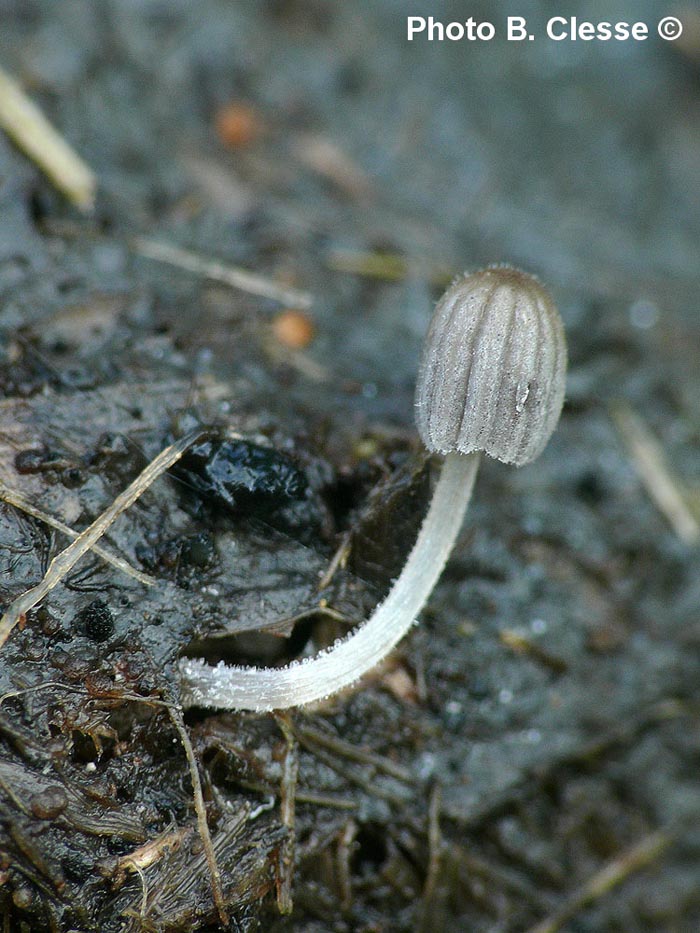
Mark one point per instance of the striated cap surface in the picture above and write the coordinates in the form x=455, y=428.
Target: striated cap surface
x=493, y=370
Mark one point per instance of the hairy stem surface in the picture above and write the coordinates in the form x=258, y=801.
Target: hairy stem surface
x=301, y=682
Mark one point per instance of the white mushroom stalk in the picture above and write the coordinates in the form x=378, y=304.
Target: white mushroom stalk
x=492, y=379
x=344, y=663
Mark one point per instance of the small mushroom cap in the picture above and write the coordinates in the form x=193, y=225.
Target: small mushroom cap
x=493, y=370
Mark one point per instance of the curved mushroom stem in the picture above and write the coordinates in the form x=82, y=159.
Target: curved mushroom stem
x=301, y=682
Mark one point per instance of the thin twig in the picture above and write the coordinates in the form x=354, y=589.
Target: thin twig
x=221, y=272
x=351, y=775
x=343, y=862
x=492, y=876
x=434, y=845
x=304, y=364
x=302, y=796
x=388, y=267
x=38, y=687
x=175, y=713
x=19, y=502
x=64, y=562
x=323, y=800
x=339, y=560
x=26, y=124
x=288, y=787
x=147, y=854
x=524, y=646
x=650, y=463
x=308, y=735
x=615, y=872
x=144, y=892
x=327, y=159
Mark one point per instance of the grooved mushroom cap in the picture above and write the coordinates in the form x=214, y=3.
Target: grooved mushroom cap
x=493, y=370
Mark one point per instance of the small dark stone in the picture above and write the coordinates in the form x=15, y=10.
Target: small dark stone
x=95, y=621
x=589, y=488
x=49, y=803
x=73, y=477
x=198, y=550
x=31, y=460
x=243, y=477
x=111, y=444
x=147, y=555
x=115, y=456
x=42, y=460
x=22, y=897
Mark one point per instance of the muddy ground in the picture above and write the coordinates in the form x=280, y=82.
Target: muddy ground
x=528, y=760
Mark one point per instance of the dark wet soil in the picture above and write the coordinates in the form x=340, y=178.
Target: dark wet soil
x=540, y=727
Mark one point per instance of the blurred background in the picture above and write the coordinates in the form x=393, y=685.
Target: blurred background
x=300, y=137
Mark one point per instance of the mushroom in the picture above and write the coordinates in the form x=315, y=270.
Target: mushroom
x=491, y=379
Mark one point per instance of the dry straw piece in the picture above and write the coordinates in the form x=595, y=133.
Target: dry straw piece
x=63, y=563
x=26, y=124
x=492, y=379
